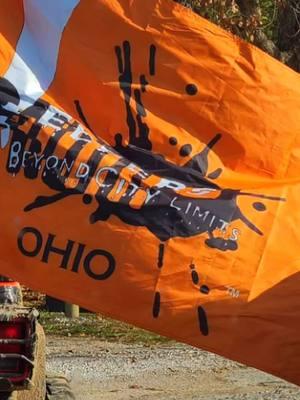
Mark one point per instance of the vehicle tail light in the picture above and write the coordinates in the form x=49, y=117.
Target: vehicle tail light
x=15, y=350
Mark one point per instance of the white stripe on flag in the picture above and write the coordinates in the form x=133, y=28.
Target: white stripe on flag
x=33, y=67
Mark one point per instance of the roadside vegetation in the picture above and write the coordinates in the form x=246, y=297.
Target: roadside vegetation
x=88, y=324
x=96, y=326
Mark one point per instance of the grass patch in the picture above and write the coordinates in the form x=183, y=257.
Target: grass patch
x=93, y=325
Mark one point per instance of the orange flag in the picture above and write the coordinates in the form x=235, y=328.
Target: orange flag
x=150, y=171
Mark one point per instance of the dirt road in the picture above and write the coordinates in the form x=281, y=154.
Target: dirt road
x=112, y=371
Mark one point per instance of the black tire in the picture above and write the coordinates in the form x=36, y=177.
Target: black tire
x=58, y=388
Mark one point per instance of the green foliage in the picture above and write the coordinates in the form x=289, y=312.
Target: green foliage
x=92, y=325
x=269, y=18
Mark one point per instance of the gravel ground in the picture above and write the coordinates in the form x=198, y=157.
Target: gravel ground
x=113, y=371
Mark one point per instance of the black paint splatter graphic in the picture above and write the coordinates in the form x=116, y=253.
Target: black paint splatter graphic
x=152, y=62
x=185, y=150
x=156, y=305
x=191, y=89
x=203, y=324
x=204, y=289
x=81, y=115
x=194, y=274
x=185, y=202
x=124, y=65
x=173, y=141
x=161, y=254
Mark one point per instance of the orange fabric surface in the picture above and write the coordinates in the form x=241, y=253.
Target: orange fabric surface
x=150, y=172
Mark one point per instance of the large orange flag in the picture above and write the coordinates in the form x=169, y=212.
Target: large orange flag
x=150, y=171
